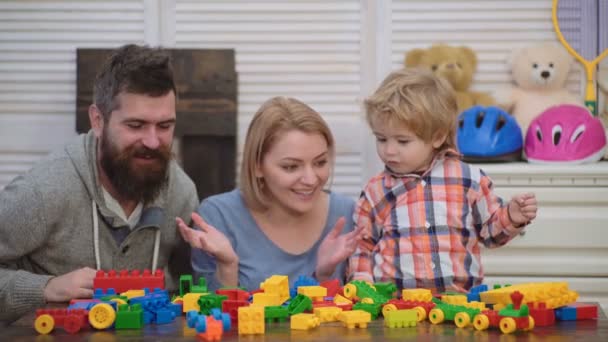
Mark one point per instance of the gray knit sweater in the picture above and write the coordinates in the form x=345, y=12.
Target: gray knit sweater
x=47, y=220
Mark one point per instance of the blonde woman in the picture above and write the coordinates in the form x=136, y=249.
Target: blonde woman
x=281, y=220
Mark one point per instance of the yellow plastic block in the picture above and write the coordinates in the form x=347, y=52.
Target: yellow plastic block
x=304, y=321
x=251, y=320
x=339, y=299
x=355, y=318
x=277, y=284
x=475, y=305
x=267, y=299
x=133, y=293
x=421, y=295
x=401, y=318
x=454, y=299
x=316, y=293
x=327, y=314
x=554, y=294
x=190, y=302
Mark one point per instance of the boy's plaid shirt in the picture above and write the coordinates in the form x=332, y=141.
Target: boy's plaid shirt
x=425, y=231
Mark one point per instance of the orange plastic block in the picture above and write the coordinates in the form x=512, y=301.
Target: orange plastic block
x=213, y=331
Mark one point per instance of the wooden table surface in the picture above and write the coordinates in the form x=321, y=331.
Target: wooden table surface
x=588, y=331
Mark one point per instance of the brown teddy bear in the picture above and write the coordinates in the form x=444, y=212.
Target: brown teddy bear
x=539, y=72
x=455, y=64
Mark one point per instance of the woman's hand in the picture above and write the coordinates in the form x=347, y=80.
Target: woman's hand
x=336, y=248
x=208, y=239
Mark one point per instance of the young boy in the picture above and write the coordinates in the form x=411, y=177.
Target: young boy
x=426, y=214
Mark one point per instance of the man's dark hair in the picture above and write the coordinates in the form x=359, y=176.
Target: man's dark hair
x=132, y=69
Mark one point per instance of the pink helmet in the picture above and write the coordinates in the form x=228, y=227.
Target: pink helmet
x=565, y=134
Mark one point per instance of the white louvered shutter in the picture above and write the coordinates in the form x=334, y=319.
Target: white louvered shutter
x=38, y=41
x=309, y=50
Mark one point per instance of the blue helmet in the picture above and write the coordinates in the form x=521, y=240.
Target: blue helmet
x=488, y=134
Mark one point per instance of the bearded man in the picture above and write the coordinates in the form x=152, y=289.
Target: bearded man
x=107, y=201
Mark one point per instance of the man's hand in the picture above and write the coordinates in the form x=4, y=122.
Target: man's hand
x=76, y=284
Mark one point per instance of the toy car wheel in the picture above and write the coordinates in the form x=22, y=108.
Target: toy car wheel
x=507, y=325
x=72, y=324
x=436, y=316
x=420, y=313
x=102, y=316
x=387, y=308
x=44, y=324
x=350, y=291
x=462, y=319
x=191, y=317
x=481, y=322
x=530, y=323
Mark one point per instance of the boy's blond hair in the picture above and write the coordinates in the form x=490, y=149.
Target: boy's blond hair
x=418, y=99
x=275, y=117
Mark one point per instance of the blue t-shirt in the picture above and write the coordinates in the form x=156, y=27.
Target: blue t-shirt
x=259, y=257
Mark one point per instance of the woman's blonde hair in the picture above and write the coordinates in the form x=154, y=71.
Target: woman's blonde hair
x=275, y=117
x=426, y=104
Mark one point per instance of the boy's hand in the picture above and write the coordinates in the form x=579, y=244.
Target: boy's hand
x=522, y=208
x=207, y=239
x=73, y=285
x=336, y=248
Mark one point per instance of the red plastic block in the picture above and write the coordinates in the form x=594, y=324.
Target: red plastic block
x=234, y=294
x=344, y=307
x=542, y=316
x=332, y=286
x=125, y=280
x=585, y=311
x=232, y=308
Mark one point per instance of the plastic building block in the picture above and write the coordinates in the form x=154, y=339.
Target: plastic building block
x=373, y=308
x=303, y=321
x=585, y=311
x=190, y=302
x=85, y=304
x=129, y=317
x=268, y=299
x=276, y=314
x=208, y=302
x=355, y=318
x=234, y=294
x=339, y=299
x=473, y=295
x=72, y=320
x=554, y=294
x=100, y=293
x=454, y=299
x=303, y=281
x=125, y=280
x=186, y=285
x=419, y=295
x=299, y=304
x=542, y=316
x=565, y=313
x=232, y=308
x=358, y=289
x=251, y=320
x=461, y=315
x=333, y=287
x=277, y=284
x=213, y=331
x=316, y=293
x=133, y=293
x=102, y=316
x=386, y=289
x=513, y=317
x=401, y=318
x=327, y=314
x=422, y=308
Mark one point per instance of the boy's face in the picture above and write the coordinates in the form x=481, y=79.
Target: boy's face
x=402, y=150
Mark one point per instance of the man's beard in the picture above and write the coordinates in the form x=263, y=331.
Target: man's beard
x=141, y=184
